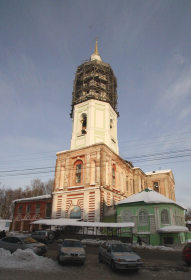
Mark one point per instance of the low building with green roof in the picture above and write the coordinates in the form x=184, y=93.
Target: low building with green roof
x=158, y=220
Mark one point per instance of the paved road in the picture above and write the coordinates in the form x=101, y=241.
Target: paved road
x=94, y=271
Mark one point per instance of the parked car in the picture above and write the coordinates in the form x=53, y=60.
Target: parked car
x=12, y=243
x=186, y=253
x=45, y=236
x=119, y=256
x=71, y=250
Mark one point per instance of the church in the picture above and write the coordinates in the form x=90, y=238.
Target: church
x=91, y=176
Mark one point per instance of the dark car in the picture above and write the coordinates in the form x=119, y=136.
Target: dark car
x=12, y=243
x=186, y=253
x=119, y=256
x=45, y=236
x=71, y=250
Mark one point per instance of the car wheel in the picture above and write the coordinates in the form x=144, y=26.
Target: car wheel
x=113, y=267
x=100, y=258
x=59, y=261
x=51, y=236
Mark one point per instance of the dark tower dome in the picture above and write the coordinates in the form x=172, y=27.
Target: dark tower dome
x=95, y=80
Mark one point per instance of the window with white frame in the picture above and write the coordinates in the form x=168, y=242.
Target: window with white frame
x=126, y=216
x=165, y=219
x=143, y=217
x=78, y=172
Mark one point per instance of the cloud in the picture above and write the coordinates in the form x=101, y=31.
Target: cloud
x=179, y=89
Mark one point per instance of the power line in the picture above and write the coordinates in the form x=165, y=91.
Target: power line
x=144, y=157
x=127, y=142
x=67, y=168
x=27, y=169
x=158, y=154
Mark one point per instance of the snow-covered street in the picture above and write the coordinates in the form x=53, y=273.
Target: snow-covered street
x=26, y=260
x=26, y=264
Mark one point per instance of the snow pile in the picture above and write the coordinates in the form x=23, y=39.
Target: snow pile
x=92, y=241
x=97, y=241
x=144, y=246
x=150, y=247
x=26, y=259
x=4, y=254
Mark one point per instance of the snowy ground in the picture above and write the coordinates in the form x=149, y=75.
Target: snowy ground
x=26, y=260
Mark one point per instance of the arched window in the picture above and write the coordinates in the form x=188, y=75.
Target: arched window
x=143, y=217
x=165, y=217
x=156, y=186
x=75, y=213
x=84, y=123
x=112, y=128
x=78, y=171
x=113, y=174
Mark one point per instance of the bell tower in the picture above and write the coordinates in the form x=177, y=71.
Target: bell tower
x=94, y=104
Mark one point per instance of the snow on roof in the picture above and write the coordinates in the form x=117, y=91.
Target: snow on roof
x=77, y=223
x=148, y=196
x=158, y=172
x=61, y=152
x=46, y=196
x=173, y=229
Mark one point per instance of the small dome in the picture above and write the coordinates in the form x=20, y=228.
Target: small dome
x=95, y=57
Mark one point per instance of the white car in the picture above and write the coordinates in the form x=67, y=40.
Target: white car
x=71, y=250
x=119, y=256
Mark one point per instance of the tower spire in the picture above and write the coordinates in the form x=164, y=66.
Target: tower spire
x=96, y=47
x=95, y=55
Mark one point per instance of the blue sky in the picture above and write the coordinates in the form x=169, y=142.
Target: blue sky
x=147, y=43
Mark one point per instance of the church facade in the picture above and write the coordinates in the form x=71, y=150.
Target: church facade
x=91, y=175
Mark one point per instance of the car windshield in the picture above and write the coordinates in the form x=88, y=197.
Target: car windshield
x=29, y=240
x=120, y=248
x=69, y=243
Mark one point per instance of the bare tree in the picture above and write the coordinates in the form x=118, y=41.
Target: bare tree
x=7, y=195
